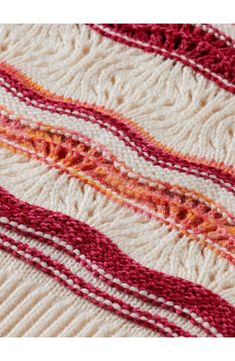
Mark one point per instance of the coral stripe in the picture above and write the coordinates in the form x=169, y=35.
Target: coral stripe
x=59, y=135
x=190, y=44
x=115, y=197
x=224, y=176
x=217, y=248
x=84, y=289
x=80, y=155
x=100, y=250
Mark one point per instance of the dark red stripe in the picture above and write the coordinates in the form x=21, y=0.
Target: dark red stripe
x=103, y=252
x=175, y=40
x=83, y=284
x=142, y=146
x=228, y=39
x=108, y=281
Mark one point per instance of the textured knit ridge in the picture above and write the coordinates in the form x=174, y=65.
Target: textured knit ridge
x=117, y=180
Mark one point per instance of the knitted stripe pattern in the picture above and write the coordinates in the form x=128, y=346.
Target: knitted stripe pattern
x=117, y=180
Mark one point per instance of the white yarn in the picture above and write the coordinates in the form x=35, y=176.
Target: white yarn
x=178, y=107
x=147, y=241
x=122, y=152
x=80, y=271
x=227, y=29
x=162, y=97
x=36, y=305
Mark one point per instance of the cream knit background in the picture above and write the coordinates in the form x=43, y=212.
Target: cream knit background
x=177, y=106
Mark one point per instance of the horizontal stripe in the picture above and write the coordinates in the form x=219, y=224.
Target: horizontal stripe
x=189, y=44
x=183, y=292
x=131, y=138
x=79, y=155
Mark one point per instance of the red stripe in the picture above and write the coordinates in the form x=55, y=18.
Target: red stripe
x=100, y=250
x=143, y=147
x=83, y=284
x=173, y=41
x=220, y=34
x=39, y=143
x=108, y=281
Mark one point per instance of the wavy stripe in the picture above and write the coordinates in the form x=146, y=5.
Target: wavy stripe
x=116, y=146
x=115, y=197
x=200, y=301
x=177, y=207
x=81, y=288
x=216, y=247
x=76, y=262
x=35, y=129
x=119, y=127
x=144, y=239
x=90, y=273
x=52, y=310
x=64, y=246
x=178, y=94
x=187, y=43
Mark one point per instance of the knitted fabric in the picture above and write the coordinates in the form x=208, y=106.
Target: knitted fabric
x=117, y=180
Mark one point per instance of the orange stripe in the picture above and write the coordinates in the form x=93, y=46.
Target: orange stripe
x=28, y=82
x=75, y=156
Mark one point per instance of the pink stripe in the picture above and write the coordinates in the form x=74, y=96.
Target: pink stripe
x=187, y=43
x=84, y=285
x=124, y=132
x=100, y=250
x=220, y=250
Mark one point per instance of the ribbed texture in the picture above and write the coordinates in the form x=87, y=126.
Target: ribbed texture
x=31, y=305
x=117, y=180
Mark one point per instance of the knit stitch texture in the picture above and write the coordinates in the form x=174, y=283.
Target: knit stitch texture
x=117, y=180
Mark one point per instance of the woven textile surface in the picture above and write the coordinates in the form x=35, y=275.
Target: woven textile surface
x=117, y=180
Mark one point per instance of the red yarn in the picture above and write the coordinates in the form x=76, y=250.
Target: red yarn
x=131, y=138
x=201, y=50
x=103, y=252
